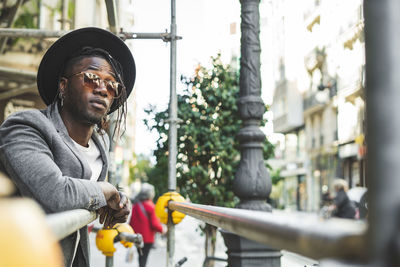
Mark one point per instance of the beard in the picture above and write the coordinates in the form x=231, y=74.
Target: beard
x=82, y=112
x=88, y=116
x=91, y=118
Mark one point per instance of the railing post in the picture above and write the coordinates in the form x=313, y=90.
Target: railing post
x=382, y=41
x=109, y=261
x=252, y=182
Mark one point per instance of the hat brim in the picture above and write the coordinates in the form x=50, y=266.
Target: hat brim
x=53, y=61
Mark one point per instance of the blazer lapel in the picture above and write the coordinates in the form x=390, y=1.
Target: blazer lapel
x=55, y=117
x=102, y=144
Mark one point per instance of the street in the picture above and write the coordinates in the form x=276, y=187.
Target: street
x=188, y=243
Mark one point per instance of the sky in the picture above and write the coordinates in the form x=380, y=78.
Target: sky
x=205, y=29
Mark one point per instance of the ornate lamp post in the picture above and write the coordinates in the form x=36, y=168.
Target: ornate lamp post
x=252, y=182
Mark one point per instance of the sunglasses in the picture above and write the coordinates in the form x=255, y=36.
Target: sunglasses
x=93, y=81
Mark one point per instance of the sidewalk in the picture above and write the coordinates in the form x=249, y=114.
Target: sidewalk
x=97, y=259
x=188, y=243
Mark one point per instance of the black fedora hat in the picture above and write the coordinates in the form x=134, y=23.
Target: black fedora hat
x=53, y=61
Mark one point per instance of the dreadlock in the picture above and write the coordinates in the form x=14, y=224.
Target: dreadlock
x=119, y=101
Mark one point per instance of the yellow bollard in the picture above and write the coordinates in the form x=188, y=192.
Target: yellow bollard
x=105, y=238
x=25, y=238
x=105, y=241
x=161, y=208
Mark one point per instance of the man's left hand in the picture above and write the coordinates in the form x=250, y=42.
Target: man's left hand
x=111, y=216
x=122, y=214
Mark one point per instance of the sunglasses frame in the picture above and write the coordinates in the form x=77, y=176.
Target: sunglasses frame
x=93, y=77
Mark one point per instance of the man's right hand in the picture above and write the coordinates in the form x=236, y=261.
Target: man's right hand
x=111, y=194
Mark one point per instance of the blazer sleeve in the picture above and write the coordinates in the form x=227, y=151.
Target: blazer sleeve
x=28, y=160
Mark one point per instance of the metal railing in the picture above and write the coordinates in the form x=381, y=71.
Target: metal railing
x=65, y=223
x=302, y=233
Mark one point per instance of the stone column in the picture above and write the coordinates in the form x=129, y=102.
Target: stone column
x=252, y=182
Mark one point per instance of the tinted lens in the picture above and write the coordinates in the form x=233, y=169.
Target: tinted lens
x=91, y=80
x=113, y=87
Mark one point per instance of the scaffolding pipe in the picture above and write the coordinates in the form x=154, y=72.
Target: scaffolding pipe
x=64, y=15
x=38, y=33
x=302, y=233
x=31, y=33
x=112, y=15
x=172, y=135
x=165, y=36
x=173, y=116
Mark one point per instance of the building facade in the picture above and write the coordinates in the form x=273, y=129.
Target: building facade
x=318, y=101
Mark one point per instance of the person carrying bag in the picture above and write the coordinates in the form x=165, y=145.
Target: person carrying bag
x=144, y=220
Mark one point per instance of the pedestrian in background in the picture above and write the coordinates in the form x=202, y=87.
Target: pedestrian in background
x=342, y=206
x=144, y=220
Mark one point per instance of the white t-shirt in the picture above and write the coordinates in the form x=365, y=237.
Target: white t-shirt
x=93, y=157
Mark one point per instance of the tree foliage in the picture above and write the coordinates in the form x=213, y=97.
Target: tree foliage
x=207, y=150
x=208, y=153
x=140, y=170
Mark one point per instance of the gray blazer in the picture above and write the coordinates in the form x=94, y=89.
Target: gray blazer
x=43, y=162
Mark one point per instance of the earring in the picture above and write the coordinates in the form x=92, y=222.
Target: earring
x=61, y=96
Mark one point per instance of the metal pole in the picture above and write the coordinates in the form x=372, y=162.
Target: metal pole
x=252, y=182
x=172, y=138
x=64, y=14
x=112, y=168
x=112, y=15
x=382, y=41
x=109, y=261
x=170, y=244
x=172, y=144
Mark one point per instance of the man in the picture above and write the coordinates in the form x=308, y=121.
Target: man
x=58, y=156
